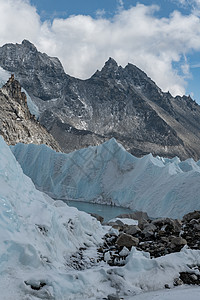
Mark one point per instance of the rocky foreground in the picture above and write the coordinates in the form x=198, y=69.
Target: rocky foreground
x=158, y=237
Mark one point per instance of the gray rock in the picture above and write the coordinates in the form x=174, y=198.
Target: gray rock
x=192, y=215
x=99, y=218
x=17, y=125
x=197, y=227
x=149, y=230
x=194, y=221
x=119, y=222
x=167, y=224
x=142, y=223
x=132, y=229
x=162, y=221
x=127, y=240
x=177, y=225
x=178, y=241
x=177, y=282
x=149, y=227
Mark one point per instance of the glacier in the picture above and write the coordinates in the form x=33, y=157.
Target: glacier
x=38, y=236
x=109, y=174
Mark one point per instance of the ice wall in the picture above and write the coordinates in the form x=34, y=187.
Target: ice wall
x=109, y=174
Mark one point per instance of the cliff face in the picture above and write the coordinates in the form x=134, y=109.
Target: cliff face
x=16, y=122
x=115, y=102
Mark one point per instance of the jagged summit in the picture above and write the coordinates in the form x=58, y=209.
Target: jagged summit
x=111, y=64
x=27, y=44
x=118, y=102
x=13, y=89
x=109, y=69
x=16, y=122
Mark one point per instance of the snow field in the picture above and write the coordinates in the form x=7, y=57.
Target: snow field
x=39, y=235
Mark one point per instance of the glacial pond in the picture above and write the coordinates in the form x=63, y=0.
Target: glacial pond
x=106, y=211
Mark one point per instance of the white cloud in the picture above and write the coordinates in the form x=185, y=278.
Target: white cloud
x=185, y=67
x=100, y=13
x=83, y=43
x=18, y=20
x=120, y=5
x=193, y=5
x=195, y=66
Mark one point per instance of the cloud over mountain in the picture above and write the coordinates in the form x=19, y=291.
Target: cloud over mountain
x=83, y=43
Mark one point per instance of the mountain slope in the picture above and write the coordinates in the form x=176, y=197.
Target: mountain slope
x=115, y=102
x=109, y=174
x=16, y=122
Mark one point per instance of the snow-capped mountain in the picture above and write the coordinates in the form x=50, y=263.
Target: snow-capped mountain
x=109, y=174
x=17, y=124
x=115, y=102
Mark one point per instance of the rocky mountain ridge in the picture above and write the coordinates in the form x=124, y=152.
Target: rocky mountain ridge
x=16, y=122
x=115, y=102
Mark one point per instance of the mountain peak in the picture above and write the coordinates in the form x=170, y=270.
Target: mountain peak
x=109, y=69
x=110, y=65
x=29, y=45
x=111, y=62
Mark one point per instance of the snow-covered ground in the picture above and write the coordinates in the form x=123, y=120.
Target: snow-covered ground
x=109, y=174
x=125, y=221
x=39, y=236
x=181, y=293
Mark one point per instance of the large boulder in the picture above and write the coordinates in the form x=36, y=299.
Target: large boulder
x=127, y=240
x=177, y=243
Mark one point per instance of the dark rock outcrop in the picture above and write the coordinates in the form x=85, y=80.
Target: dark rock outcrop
x=115, y=102
x=16, y=122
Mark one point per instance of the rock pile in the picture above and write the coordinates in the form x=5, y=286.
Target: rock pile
x=158, y=237
x=191, y=229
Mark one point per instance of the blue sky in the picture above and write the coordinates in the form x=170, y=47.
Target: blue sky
x=62, y=8
x=160, y=37
x=50, y=9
